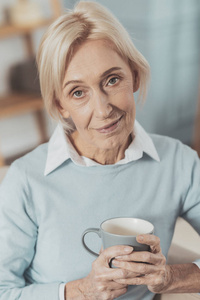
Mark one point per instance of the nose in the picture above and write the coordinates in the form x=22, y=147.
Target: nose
x=102, y=105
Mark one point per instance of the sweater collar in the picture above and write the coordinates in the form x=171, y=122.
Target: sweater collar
x=60, y=149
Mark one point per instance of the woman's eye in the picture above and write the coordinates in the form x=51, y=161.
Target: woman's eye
x=113, y=80
x=78, y=94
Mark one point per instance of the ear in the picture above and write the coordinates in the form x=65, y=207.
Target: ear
x=64, y=113
x=136, y=81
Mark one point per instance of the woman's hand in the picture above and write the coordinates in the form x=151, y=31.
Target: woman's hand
x=147, y=268
x=101, y=283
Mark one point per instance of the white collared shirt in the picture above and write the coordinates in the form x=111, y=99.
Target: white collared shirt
x=61, y=149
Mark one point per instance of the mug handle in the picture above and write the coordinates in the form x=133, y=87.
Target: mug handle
x=94, y=230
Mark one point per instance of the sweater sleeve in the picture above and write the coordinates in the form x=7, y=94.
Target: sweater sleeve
x=190, y=176
x=190, y=210
x=18, y=236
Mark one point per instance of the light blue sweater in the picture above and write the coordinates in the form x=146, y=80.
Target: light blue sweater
x=42, y=217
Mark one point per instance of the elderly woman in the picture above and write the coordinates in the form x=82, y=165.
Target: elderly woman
x=99, y=163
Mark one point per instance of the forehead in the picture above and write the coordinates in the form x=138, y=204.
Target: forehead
x=92, y=59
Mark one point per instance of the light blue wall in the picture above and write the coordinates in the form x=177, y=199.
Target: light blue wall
x=167, y=32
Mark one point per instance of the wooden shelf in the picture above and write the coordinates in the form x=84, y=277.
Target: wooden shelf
x=11, y=30
x=16, y=104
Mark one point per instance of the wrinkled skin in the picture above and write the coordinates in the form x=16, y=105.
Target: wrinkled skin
x=147, y=268
x=133, y=268
x=101, y=283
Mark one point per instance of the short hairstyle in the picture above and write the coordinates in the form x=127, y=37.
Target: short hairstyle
x=87, y=21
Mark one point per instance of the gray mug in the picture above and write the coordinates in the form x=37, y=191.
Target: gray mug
x=120, y=231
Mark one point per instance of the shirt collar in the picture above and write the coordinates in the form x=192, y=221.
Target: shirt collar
x=60, y=149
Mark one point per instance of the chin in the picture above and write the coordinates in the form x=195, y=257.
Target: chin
x=110, y=143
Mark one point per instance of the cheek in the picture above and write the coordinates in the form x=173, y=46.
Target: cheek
x=81, y=118
x=129, y=109
x=127, y=103
x=123, y=96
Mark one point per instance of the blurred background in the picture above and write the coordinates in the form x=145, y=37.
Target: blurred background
x=167, y=33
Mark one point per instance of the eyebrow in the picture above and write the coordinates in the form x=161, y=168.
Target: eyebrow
x=102, y=75
x=71, y=82
x=110, y=70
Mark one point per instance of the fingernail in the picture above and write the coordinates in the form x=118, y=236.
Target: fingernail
x=115, y=262
x=141, y=238
x=128, y=249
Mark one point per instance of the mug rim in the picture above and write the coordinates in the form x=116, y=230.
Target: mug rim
x=115, y=218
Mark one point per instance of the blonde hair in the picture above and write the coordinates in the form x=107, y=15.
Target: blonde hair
x=87, y=21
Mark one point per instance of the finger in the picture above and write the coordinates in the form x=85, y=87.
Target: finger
x=151, y=240
x=106, y=274
x=117, y=293
x=149, y=280
x=142, y=256
x=114, y=274
x=110, y=294
x=114, y=251
x=134, y=281
x=109, y=285
x=113, y=285
x=138, y=269
x=101, y=267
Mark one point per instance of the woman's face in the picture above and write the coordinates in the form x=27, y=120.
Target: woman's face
x=98, y=95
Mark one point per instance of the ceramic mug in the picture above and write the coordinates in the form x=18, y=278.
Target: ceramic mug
x=120, y=231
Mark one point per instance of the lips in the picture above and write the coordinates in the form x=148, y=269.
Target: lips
x=110, y=127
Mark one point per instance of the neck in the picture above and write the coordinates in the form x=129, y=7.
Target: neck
x=101, y=156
